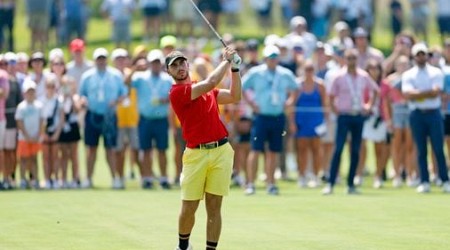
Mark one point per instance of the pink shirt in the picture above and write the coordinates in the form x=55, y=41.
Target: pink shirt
x=349, y=91
x=4, y=85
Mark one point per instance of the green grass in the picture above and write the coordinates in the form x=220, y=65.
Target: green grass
x=297, y=219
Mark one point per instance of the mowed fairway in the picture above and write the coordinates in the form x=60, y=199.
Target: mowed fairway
x=297, y=219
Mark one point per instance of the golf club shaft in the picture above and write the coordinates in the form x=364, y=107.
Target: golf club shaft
x=208, y=23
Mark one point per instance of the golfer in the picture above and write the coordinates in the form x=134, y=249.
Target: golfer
x=208, y=158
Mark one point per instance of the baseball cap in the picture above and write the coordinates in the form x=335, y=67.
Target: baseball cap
x=172, y=56
x=167, y=41
x=252, y=44
x=340, y=26
x=99, y=52
x=296, y=21
x=76, y=45
x=28, y=84
x=37, y=56
x=360, y=32
x=10, y=57
x=119, y=52
x=155, y=55
x=55, y=53
x=22, y=57
x=271, y=39
x=271, y=51
x=140, y=49
x=419, y=47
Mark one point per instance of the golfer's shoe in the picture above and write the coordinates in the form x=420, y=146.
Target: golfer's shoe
x=327, y=190
x=423, y=188
x=189, y=247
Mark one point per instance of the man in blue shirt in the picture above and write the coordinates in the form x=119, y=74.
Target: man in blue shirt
x=101, y=89
x=273, y=89
x=153, y=87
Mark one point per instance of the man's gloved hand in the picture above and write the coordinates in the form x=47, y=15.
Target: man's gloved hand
x=236, y=61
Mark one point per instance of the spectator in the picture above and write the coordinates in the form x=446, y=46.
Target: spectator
x=304, y=8
x=273, y=88
x=101, y=89
x=263, y=10
x=365, y=51
x=9, y=141
x=39, y=22
x=422, y=86
x=119, y=12
x=446, y=95
x=22, y=65
x=252, y=58
x=127, y=120
x=321, y=14
x=211, y=9
x=153, y=116
x=53, y=116
x=37, y=64
x=443, y=18
x=7, y=13
x=70, y=132
x=342, y=40
x=420, y=11
x=351, y=12
x=396, y=16
x=4, y=92
x=308, y=124
x=299, y=26
x=74, y=19
x=168, y=44
x=321, y=57
x=402, y=142
x=30, y=124
x=402, y=47
x=183, y=15
x=346, y=100
x=287, y=10
x=79, y=63
x=152, y=11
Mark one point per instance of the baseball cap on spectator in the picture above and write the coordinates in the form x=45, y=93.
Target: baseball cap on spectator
x=10, y=57
x=76, y=45
x=271, y=39
x=298, y=43
x=360, y=32
x=419, y=47
x=282, y=43
x=155, y=55
x=28, y=84
x=340, y=26
x=37, y=56
x=22, y=57
x=99, y=52
x=271, y=51
x=55, y=53
x=139, y=50
x=252, y=44
x=119, y=52
x=296, y=21
x=172, y=56
x=168, y=41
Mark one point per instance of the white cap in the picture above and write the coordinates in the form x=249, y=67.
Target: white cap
x=155, y=54
x=296, y=21
x=22, y=57
x=119, y=52
x=55, y=53
x=271, y=51
x=10, y=56
x=28, y=84
x=271, y=39
x=99, y=52
x=340, y=26
x=298, y=41
x=419, y=47
x=282, y=43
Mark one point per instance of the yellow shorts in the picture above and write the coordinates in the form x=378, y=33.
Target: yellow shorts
x=206, y=171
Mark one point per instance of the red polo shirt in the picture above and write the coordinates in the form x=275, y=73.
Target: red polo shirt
x=199, y=118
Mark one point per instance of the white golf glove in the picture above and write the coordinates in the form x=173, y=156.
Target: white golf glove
x=236, y=61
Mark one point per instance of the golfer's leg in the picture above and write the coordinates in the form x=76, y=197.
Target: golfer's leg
x=187, y=216
x=214, y=218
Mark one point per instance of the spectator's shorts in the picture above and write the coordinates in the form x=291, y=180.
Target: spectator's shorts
x=127, y=136
x=97, y=125
x=400, y=115
x=121, y=31
x=28, y=149
x=9, y=141
x=206, y=171
x=268, y=128
x=2, y=133
x=151, y=11
x=153, y=130
x=444, y=24
x=39, y=21
x=375, y=129
x=182, y=10
x=330, y=135
x=447, y=125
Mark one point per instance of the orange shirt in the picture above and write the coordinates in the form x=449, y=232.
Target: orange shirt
x=127, y=111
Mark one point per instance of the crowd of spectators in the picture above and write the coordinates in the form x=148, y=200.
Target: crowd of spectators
x=301, y=98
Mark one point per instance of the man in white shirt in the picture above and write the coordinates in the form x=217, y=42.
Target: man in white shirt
x=422, y=86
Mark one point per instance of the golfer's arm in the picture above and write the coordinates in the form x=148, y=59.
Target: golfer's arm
x=211, y=82
x=233, y=94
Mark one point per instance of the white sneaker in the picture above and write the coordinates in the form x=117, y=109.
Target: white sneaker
x=189, y=247
x=250, y=190
x=302, y=183
x=117, y=184
x=314, y=182
x=87, y=184
x=377, y=183
x=358, y=180
x=446, y=187
x=423, y=188
x=412, y=182
x=48, y=185
x=397, y=182
x=327, y=190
